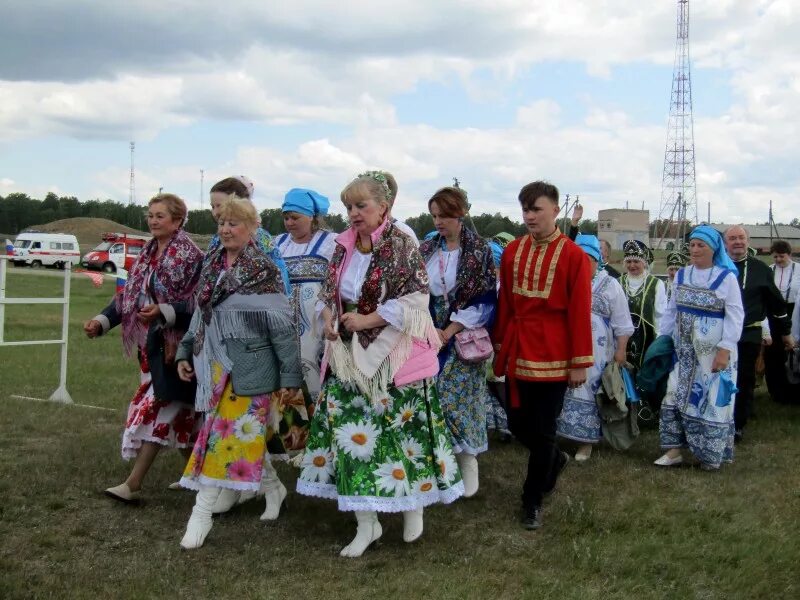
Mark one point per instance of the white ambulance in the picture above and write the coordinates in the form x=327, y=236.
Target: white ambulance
x=38, y=249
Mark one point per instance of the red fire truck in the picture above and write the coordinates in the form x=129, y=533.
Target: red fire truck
x=117, y=251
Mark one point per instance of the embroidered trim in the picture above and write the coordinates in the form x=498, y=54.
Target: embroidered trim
x=459, y=448
x=542, y=373
x=379, y=504
x=193, y=483
x=531, y=282
x=541, y=365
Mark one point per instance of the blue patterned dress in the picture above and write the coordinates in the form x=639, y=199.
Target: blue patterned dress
x=704, y=313
x=611, y=318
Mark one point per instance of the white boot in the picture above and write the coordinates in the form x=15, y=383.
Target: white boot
x=200, y=522
x=368, y=531
x=468, y=465
x=412, y=525
x=274, y=492
x=226, y=500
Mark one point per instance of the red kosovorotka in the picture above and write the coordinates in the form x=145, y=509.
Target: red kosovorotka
x=544, y=311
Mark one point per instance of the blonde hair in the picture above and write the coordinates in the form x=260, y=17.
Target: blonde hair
x=239, y=209
x=366, y=188
x=176, y=207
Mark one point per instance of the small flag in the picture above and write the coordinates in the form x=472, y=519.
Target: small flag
x=9, y=247
x=122, y=278
x=97, y=278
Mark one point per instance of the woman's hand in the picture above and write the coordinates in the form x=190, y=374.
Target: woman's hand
x=721, y=360
x=92, y=328
x=185, y=371
x=621, y=356
x=451, y=330
x=353, y=322
x=577, y=377
x=327, y=325
x=149, y=313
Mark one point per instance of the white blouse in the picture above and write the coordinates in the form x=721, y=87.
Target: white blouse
x=634, y=283
x=470, y=317
x=787, y=280
x=620, y=321
x=290, y=248
x=728, y=291
x=352, y=281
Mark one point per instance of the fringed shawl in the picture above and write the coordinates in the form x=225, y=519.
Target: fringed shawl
x=371, y=358
x=174, y=279
x=244, y=301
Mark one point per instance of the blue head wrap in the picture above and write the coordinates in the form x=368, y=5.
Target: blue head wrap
x=591, y=245
x=497, y=252
x=305, y=202
x=713, y=239
x=431, y=234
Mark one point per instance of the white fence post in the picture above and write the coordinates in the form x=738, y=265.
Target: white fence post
x=61, y=394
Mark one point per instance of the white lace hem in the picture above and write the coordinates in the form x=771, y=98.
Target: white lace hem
x=131, y=444
x=194, y=483
x=380, y=504
x=461, y=448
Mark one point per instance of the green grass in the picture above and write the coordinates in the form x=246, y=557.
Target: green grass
x=616, y=528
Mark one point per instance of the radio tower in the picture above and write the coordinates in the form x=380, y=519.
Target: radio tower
x=678, y=207
x=132, y=190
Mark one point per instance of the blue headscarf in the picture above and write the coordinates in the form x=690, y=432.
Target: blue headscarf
x=713, y=239
x=591, y=245
x=497, y=252
x=305, y=202
x=430, y=235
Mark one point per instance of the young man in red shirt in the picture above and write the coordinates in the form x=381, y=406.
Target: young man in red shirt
x=542, y=336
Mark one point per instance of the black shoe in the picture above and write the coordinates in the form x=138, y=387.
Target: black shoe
x=738, y=436
x=532, y=518
x=563, y=459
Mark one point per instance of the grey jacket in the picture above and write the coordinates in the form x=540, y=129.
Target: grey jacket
x=262, y=349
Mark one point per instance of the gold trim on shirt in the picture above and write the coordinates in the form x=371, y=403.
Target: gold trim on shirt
x=553, y=364
x=530, y=280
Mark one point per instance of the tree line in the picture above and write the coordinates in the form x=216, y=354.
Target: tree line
x=19, y=211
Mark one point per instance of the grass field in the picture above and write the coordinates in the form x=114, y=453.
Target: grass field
x=616, y=528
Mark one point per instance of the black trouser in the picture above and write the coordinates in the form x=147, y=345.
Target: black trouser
x=534, y=425
x=746, y=382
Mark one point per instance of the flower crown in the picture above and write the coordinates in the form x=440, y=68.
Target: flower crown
x=380, y=177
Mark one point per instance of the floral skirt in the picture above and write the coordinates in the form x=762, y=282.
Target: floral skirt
x=230, y=447
x=496, y=417
x=390, y=458
x=463, y=395
x=171, y=424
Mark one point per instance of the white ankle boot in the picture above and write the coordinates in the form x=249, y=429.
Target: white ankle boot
x=468, y=465
x=369, y=530
x=274, y=492
x=200, y=522
x=226, y=500
x=412, y=525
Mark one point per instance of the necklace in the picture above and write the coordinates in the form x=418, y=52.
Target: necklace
x=628, y=291
x=361, y=248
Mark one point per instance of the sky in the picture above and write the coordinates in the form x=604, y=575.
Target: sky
x=310, y=93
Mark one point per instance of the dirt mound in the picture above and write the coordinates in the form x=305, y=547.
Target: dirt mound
x=89, y=231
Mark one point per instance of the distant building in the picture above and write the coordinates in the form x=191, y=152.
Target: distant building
x=760, y=235
x=616, y=225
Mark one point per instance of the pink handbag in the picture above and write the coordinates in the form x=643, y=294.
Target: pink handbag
x=473, y=345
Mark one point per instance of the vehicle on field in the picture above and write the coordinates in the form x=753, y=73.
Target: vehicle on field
x=116, y=251
x=38, y=249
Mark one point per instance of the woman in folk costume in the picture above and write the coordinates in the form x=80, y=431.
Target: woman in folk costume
x=378, y=440
x=675, y=260
x=241, y=347
x=647, y=299
x=704, y=317
x=306, y=248
x=463, y=296
x=611, y=326
x=242, y=188
x=154, y=309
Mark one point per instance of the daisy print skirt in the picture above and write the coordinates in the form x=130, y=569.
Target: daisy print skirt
x=392, y=457
x=229, y=451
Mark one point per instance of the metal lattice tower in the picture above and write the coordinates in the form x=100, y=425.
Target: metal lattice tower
x=132, y=190
x=678, y=207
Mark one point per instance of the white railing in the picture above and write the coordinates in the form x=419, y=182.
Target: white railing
x=61, y=394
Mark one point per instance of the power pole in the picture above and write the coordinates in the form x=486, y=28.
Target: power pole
x=132, y=189
x=678, y=184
